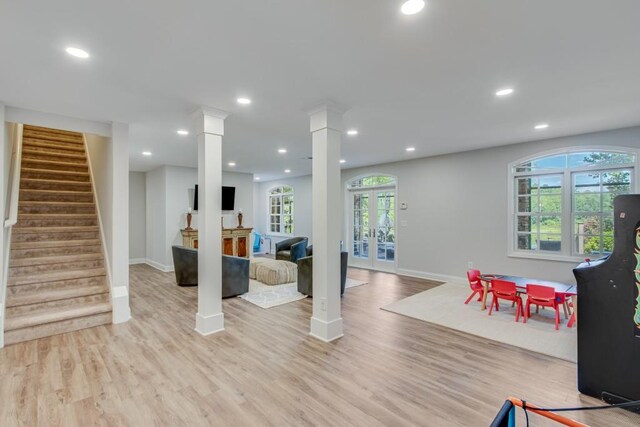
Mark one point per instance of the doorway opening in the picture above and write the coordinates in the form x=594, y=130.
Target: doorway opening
x=372, y=224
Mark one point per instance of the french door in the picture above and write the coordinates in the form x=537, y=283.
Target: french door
x=373, y=229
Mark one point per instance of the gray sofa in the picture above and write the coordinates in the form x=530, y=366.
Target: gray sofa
x=291, y=249
x=305, y=273
x=235, y=271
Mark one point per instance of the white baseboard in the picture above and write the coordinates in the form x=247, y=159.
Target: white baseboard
x=432, y=276
x=134, y=261
x=158, y=266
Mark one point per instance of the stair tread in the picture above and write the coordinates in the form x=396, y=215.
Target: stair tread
x=51, y=136
x=34, y=128
x=53, y=202
x=36, y=190
x=55, y=215
x=23, y=230
x=54, y=171
x=31, y=142
x=55, y=315
x=55, y=181
x=27, y=150
x=36, y=297
x=54, y=244
x=56, y=276
x=53, y=162
x=56, y=259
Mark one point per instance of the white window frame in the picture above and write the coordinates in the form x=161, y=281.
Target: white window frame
x=281, y=196
x=566, y=253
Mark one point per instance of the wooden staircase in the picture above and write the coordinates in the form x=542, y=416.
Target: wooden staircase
x=57, y=280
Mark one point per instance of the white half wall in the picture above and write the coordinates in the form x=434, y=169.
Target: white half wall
x=109, y=161
x=137, y=216
x=57, y=121
x=458, y=209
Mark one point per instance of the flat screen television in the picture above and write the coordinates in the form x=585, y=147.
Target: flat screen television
x=228, y=198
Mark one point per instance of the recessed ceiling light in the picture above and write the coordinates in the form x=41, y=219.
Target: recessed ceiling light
x=411, y=7
x=343, y=161
x=352, y=132
x=410, y=149
x=232, y=164
x=146, y=153
x=541, y=126
x=244, y=101
x=257, y=178
x=282, y=150
x=183, y=132
x=78, y=53
x=287, y=171
x=504, y=92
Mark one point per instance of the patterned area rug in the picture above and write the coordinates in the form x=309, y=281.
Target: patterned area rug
x=444, y=305
x=266, y=296
x=352, y=283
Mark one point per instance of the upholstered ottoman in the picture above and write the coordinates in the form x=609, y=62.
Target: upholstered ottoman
x=276, y=272
x=255, y=262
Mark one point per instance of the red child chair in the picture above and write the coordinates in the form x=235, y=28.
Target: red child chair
x=475, y=284
x=544, y=296
x=506, y=291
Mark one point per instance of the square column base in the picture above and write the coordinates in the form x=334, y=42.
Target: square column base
x=326, y=331
x=207, y=325
x=120, y=304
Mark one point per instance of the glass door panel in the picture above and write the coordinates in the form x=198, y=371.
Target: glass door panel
x=385, y=229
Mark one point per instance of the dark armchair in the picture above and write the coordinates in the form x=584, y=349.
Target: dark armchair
x=291, y=249
x=235, y=271
x=305, y=273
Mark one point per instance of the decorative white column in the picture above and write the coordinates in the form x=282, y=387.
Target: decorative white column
x=209, y=129
x=120, y=226
x=326, y=133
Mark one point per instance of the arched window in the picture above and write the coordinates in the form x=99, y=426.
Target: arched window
x=281, y=210
x=562, y=204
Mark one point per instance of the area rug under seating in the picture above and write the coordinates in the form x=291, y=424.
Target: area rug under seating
x=444, y=305
x=352, y=283
x=267, y=296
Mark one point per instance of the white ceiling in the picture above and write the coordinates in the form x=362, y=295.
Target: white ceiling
x=426, y=80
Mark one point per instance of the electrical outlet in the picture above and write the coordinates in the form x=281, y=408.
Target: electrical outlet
x=323, y=304
x=470, y=264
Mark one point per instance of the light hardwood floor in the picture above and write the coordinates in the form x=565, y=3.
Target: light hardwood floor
x=265, y=369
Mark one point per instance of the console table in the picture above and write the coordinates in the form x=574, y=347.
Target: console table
x=235, y=241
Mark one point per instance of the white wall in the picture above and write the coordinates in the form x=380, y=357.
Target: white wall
x=169, y=193
x=137, y=216
x=302, y=207
x=458, y=208
x=101, y=162
x=156, y=217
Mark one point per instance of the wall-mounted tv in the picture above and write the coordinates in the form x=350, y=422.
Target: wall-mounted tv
x=228, y=198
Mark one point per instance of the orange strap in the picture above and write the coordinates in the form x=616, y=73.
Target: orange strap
x=559, y=418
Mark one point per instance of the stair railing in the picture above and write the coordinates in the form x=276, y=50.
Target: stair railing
x=14, y=177
x=11, y=214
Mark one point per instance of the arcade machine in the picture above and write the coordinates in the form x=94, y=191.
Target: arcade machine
x=609, y=312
